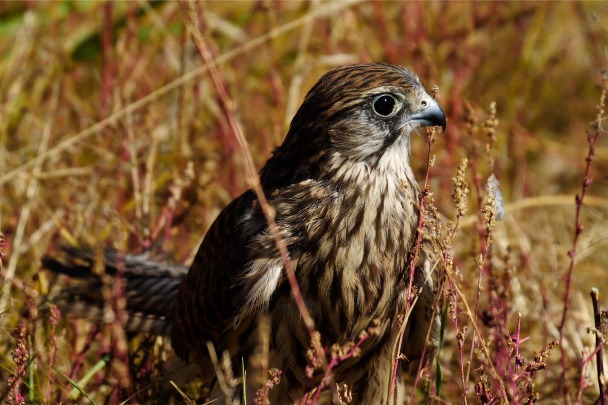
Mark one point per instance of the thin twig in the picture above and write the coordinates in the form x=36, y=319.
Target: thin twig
x=219, y=373
x=599, y=356
x=253, y=179
x=583, y=382
x=413, y=258
x=482, y=344
x=578, y=229
x=428, y=335
x=335, y=360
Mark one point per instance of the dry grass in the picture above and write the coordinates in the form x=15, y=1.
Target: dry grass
x=112, y=134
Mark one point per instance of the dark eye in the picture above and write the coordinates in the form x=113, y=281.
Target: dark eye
x=384, y=105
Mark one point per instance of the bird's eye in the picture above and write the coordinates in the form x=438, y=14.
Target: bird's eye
x=385, y=105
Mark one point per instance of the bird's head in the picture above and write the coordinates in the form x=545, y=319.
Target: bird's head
x=359, y=113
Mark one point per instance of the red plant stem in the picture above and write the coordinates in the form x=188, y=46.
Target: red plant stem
x=582, y=382
x=460, y=343
x=118, y=340
x=599, y=359
x=485, y=241
x=484, y=249
x=516, y=339
x=107, y=65
x=335, y=360
x=227, y=107
x=454, y=300
x=578, y=229
x=410, y=296
x=54, y=315
x=517, y=343
x=421, y=362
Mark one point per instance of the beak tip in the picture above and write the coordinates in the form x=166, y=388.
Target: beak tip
x=432, y=116
x=437, y=116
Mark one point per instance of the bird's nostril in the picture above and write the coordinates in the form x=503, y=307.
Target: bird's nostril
x=424, y=103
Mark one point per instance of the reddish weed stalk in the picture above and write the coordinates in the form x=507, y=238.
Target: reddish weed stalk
x=578, y=229
x=339, y=354
x=54, y=316
x=600, y=335
x=413, y=257
x=460, y=198
x=227, y=106
x=20, y=358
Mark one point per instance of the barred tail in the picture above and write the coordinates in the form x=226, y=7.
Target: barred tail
x=150, y=287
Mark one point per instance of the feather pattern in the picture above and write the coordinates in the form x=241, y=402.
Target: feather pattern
x=346, y=206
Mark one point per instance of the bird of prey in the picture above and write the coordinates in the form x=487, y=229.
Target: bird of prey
x=346, y=206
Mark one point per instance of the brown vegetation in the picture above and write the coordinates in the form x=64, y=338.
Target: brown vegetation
x=112, y=134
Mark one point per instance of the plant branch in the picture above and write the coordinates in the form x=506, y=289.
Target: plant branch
x=599, y=356
x=578, y=229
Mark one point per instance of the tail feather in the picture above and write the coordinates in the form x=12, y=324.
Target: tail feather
x=150, y=288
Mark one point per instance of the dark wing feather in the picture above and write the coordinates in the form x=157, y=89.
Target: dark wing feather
x=210, y=297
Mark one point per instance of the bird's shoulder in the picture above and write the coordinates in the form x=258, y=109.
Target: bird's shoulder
x=238, y=268
x=240, y=234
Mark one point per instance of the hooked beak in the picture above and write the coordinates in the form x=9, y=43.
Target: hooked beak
x=432, y=116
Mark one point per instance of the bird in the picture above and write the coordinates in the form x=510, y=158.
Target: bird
x=347, y=207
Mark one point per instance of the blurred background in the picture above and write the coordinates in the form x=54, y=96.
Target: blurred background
x=112, y=135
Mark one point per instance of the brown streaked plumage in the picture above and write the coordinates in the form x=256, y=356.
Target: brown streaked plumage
x=346, y=204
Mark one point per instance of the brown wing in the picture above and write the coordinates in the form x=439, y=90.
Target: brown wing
x=213, y=291
x=237, y=269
